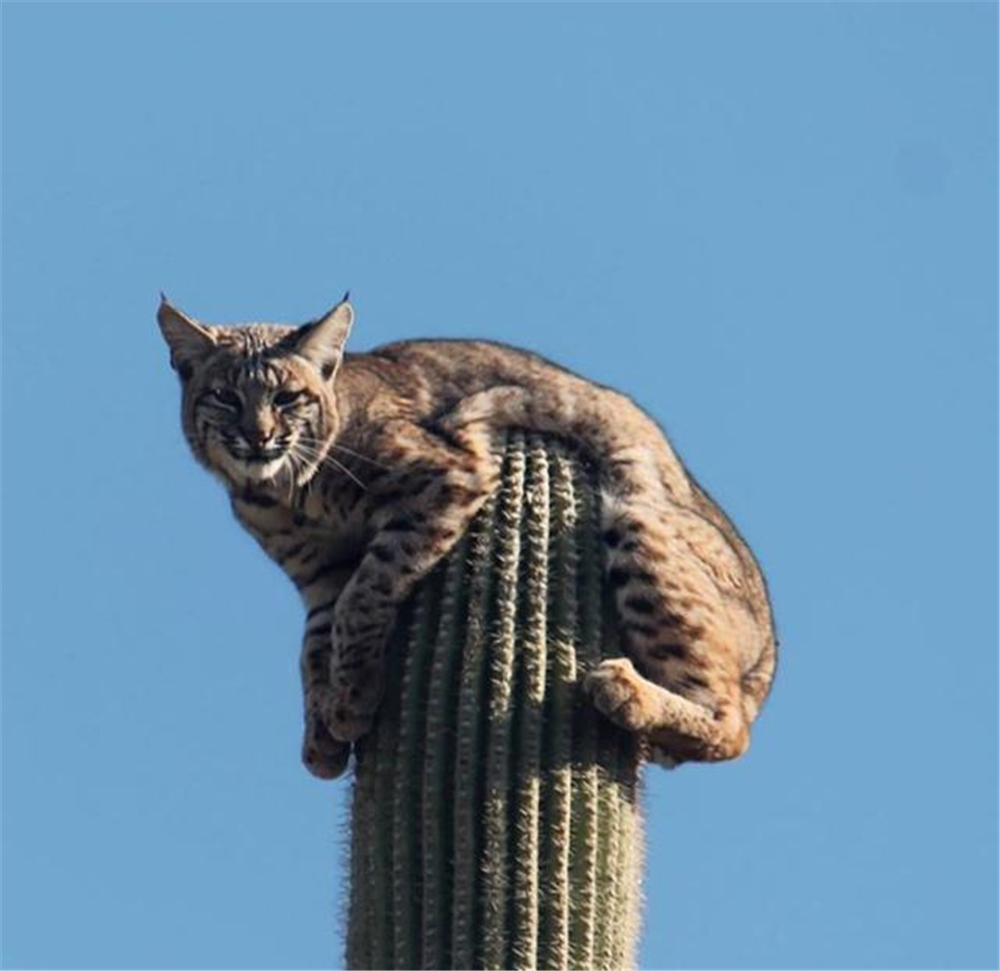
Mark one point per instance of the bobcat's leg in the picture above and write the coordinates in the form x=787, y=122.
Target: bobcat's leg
x=322, y=754
x=673, y=573
x=437, y=486
x=685, y=629
x=684, y=729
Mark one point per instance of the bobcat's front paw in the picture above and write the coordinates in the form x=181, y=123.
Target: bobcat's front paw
x=323, y=755
x=347, y=725
x=356, y=688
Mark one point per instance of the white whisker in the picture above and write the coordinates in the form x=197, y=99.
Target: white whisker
x=343, y=448
x=358, y=455
x=326, y=459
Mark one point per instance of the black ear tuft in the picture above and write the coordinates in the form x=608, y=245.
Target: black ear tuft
x=322, y=342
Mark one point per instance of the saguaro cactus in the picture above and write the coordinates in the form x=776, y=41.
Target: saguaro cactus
x=495, y=813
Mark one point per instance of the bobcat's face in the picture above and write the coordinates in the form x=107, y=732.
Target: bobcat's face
x=259, y=416
x=258, y=402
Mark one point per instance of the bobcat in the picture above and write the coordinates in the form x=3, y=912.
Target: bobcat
x=357, y=473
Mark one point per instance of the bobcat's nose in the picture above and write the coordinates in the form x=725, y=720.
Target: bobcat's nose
x=259, y=434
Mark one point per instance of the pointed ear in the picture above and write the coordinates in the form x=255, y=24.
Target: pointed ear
x=188, y=340
x=322, y=342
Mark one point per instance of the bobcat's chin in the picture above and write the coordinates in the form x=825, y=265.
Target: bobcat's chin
x=247, y=469
x=263, y=470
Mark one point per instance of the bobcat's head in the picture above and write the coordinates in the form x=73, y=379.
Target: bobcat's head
x=258, y=401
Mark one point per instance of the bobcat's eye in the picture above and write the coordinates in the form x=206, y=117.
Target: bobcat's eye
x=226, y=397
x=285, y=398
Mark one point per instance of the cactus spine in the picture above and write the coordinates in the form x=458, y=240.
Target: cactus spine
x=495, y=814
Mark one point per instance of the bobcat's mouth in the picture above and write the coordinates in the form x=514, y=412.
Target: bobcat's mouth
x=252, y=464
x=263, y=456
x=263, y=463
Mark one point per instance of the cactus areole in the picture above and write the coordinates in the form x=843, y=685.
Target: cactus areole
x=495, y=813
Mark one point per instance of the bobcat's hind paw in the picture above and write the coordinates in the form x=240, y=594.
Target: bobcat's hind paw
x=621, y=694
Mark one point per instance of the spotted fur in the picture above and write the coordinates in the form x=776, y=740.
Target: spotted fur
x=358, y=473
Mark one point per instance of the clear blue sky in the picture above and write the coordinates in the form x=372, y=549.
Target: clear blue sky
x=774, y=224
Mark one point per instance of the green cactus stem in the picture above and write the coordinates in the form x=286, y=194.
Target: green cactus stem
x=495, y=814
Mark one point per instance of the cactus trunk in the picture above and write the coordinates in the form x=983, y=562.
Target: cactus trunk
x=495, y=813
